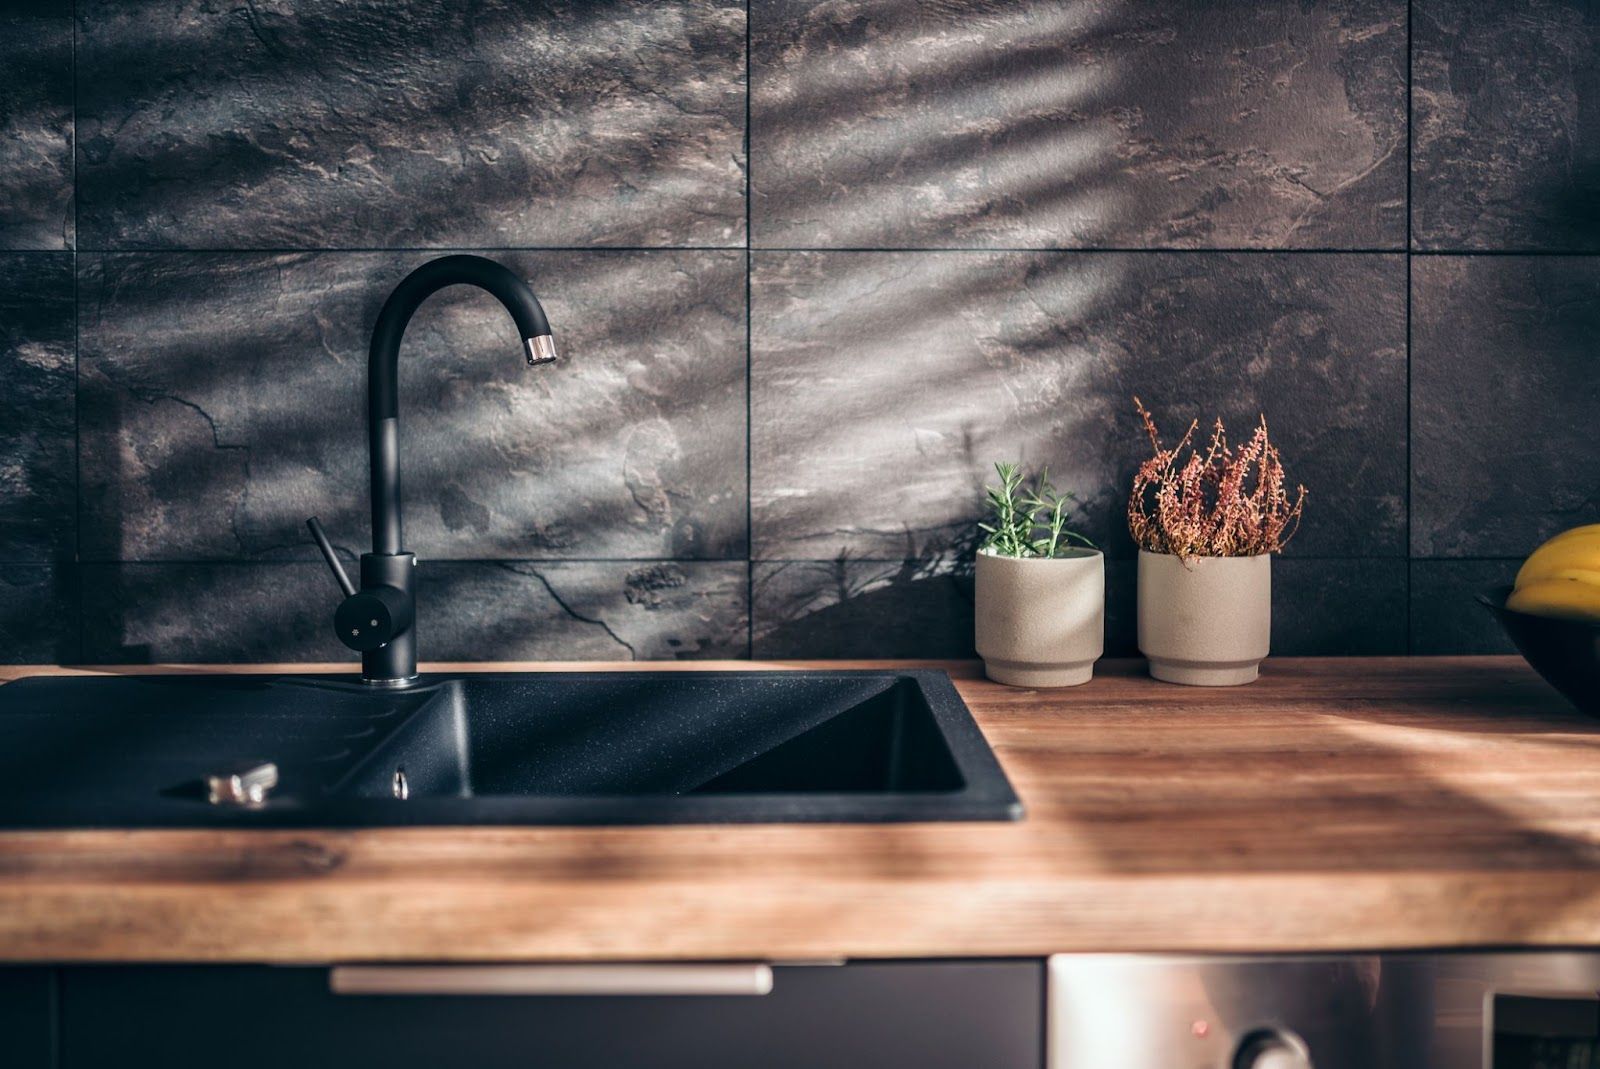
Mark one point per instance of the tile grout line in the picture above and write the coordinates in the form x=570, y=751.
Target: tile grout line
x=1319, y=558
x=1094, y=250
x=276, y=562
x=749, y=362
x=1087, y=250
x=750, y=559
x=1410, y=643
x=77, y=372
x=1061, y=250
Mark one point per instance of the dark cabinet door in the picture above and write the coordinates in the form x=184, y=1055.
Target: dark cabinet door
x=27, y=1018
x=926, y=1015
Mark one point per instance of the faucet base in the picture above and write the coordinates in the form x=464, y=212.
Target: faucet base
x=390, y=684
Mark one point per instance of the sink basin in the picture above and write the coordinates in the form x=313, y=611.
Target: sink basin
x=536, y=748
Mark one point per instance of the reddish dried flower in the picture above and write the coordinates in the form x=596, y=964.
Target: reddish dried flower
x=1216, y=503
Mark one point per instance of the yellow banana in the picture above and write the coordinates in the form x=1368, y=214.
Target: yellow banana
x=1573, y=532
x=1578, y=548
x=1578, y=575
x=1565, y=599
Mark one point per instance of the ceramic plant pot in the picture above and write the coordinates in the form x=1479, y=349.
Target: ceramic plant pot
x=1041, y=621
x=1207, y=623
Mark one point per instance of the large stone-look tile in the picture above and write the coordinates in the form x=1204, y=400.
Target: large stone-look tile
x=1445, y=617
x=856, y=608
x=1065, y=124
x=852, y=608
x=36, y=127
x=209, y=613
x=1504, y=396
x=1338, y=607
x=571, y=610
x=1506, y=124
x=884, y=385
x=38, y=614
x=37, y=385
x=1320, y=607
x=471, y=611
x=223, y=401
x=363, y=124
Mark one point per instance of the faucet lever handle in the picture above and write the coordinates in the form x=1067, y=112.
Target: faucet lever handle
x=340, y=576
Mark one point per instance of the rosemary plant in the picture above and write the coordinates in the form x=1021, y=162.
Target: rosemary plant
x=1028, y=520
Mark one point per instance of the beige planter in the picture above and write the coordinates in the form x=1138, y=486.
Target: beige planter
x=1207, y=623
x=1041, y=621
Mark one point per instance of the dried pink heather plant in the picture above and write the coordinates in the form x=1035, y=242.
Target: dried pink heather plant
x=1212, y=503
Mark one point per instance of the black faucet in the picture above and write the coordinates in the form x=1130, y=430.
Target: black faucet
x=379, y=619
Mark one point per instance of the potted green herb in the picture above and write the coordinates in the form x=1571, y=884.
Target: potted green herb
x=1207, y=524
x=1041, y=588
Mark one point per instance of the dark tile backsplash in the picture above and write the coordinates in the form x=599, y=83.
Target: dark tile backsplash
x=212, y=436
x=856, y=608
x=1056, y=125
x=1505, y=124
x=805, y=296
x=1444, y=617
x=37, y=468
x=38, y=614
x=472, y=610
x=884, y=384
x=364, y=124
x=36, y=201
x=861, y=608
x=1505, y=402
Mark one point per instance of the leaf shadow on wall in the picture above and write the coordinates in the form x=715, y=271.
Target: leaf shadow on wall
x=214, y=423
x=450, y=126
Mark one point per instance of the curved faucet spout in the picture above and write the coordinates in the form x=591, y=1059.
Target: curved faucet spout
x=383, y=401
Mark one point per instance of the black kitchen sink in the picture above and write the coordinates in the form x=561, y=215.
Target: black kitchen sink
x=536, y=748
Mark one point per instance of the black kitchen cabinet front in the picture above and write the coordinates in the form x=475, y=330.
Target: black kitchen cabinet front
x=27, y=1018
x=927, y=1015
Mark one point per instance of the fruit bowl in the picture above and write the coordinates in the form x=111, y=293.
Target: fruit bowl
x=1565, y=652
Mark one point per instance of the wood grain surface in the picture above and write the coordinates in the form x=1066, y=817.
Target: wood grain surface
x=1335, y=804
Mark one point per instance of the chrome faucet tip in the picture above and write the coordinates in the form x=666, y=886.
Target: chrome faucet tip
x=541, y=350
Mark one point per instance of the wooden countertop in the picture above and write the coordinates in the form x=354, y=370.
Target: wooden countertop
x=1335, y=804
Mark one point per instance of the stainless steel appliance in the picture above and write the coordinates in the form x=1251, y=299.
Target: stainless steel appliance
x=1513, y=1010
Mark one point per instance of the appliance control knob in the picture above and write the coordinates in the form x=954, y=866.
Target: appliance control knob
x=1271, y=1049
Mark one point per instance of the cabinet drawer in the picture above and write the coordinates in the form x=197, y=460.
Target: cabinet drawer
x=27, y=1018
x=927, y=1015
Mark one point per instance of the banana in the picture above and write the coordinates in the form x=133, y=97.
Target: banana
x=1571, y=532
x=1578, y=548
x=1561, y=579
x=1565, y=599
x=1580, y=575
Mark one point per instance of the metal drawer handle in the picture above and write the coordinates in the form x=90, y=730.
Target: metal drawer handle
x=735, y=978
